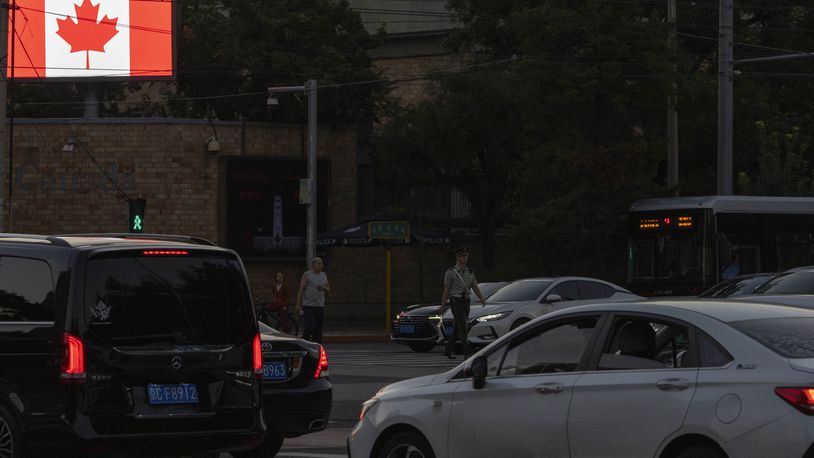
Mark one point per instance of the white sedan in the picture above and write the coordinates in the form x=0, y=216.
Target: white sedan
x=701, y=378
x=523, y=300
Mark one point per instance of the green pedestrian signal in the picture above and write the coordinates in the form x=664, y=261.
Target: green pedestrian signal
x=136, y=221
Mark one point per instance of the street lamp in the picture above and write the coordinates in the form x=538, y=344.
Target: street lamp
x=310, y=90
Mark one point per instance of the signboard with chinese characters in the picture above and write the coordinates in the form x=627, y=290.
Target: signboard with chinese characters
x=389, y=230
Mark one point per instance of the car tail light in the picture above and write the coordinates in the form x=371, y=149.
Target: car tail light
x=257, y=355
x=165, y=252
x=322, y=365
x=73, y=359
x=801, y=398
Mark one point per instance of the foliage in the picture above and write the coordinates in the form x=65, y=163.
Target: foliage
x=246, y=46
x=585, y=111
x=782, y=169
x=466, y=136
x=593, y=79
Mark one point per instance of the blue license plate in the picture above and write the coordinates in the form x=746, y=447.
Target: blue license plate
x=275, y=370
x=407, y=329
x=179, y=393
x=448, y=330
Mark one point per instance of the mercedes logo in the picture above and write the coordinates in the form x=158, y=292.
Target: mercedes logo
x=175, y=362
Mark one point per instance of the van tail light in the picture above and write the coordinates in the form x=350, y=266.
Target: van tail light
x=322, y=365
x=801, y=398
x=257, y=355
x=73, y=359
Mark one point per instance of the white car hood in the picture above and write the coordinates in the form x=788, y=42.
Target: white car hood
x=409, y=383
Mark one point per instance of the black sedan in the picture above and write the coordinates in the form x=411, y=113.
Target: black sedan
x=419, y=326
x=297, y=392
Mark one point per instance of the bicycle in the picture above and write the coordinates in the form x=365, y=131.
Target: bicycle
x=272, y=317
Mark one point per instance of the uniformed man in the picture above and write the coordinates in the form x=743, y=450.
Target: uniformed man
x=458, y=282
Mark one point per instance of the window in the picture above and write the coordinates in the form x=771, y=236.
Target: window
x=712, y=354
x=26, y=290
x=264, y=217
x=594, y=290
x=567, y=290
x=801, y=282
x=557, y=349
x=167, y=300
x=523, y=290
x=641, y=343
x=788, y=338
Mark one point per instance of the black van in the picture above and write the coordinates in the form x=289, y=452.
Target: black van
x=144, y=344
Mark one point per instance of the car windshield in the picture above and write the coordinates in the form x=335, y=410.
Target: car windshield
x=800, y=282
x=167, y=300
x=790, y=338
x=487, y=289
x=523, y=290
x=736, y=286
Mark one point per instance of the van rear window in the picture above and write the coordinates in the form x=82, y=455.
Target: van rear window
x=788, y=337
x=145, y=301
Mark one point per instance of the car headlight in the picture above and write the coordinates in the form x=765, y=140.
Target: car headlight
x=493, y=316
x=434, y=317
x=366, y=406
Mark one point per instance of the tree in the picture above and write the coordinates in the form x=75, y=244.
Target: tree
x=568, y=113
x=782, y=169
x=245, y=46
x=465, y=136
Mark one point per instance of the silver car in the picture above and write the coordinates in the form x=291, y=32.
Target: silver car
x=524, y=300
x=666, y=379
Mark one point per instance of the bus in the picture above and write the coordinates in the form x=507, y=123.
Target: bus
x=680, y=246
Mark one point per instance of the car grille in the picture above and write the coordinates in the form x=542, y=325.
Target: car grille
x=422, y=325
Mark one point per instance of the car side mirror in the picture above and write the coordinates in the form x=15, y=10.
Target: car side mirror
x=478, y=372
x=551, y=298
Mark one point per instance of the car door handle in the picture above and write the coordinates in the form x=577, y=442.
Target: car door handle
x=673, y=384
x=548, y=388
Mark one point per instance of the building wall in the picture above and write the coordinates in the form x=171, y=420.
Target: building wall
x=166, y=162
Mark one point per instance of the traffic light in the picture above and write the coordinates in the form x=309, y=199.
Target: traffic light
x=136, y=221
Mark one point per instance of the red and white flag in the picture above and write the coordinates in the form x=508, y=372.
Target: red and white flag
x=92, y=38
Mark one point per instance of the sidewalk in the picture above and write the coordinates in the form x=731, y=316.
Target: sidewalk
x=355, y=331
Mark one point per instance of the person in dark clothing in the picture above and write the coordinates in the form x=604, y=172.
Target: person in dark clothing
x=280, y=301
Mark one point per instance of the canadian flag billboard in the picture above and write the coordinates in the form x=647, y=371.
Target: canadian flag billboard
x=91, y=39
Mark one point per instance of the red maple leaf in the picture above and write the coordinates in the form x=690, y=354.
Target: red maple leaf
x=85, y=34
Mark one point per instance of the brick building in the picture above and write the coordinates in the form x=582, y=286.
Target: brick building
x=192, y=191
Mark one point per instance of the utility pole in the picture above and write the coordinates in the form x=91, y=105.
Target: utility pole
x=311, y=248
x=4, y=6
x=726, y=67
x=672, y=113
x=310, y=90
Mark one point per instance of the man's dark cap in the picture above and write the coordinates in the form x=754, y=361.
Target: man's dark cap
x=461, y=251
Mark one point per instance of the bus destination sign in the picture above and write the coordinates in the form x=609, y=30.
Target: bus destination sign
x=666, y=222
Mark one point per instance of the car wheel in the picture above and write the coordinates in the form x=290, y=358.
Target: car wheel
x=10, y=443
x=422, y=347
x=700, y=451
x=406, y=444
x=519, y=323
x=272, y=443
